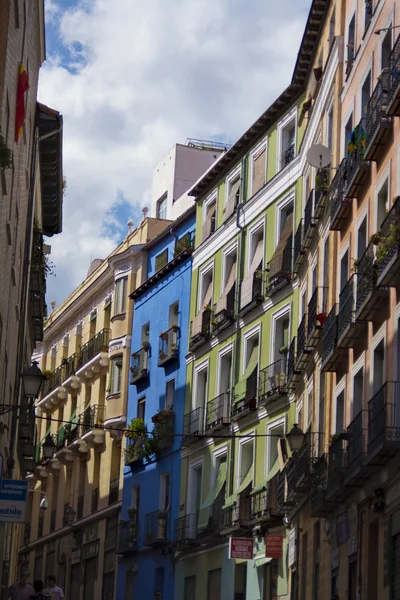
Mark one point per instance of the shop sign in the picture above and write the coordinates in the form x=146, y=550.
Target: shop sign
x=342, y=528
x=90, y=550
x=13, y=500
x=292, y=547
x=273, y=546
x=242, y=548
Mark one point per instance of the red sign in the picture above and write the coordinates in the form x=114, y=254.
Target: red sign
x=241, y=548
x=273, y=546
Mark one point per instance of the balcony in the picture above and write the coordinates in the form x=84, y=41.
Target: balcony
x=335, y=490
x=316, y=315
x=298, y=252
x=94, y=355
x=70, y=367
x=236, y=519
x=193, y=426
x=287, y=156
x=156, y=529
x=245, y=399
x=393, y=107
x=322, y=186
x=218, y=413
x=356, y=472
x=332, y=358
x=264, y=507
x=53, y=391
x=279, y=270
x=113, y=491
x=303, y=351
x=184, y=244
x=339, y=201
x=310, y=219
x=133, y=453
x=388, y=253
x=211, y=531
x=370, y=296
x=293, y=373
x=127, y=538
x=318, y=504
x=95, y=500
x=224, y=311
x=168, y=346
x=257, y=293
x=349, y=330
x=300, y=468
x=384, y=424
x=358, y=169
x=272, y=385
x=92, y=424
x=379, y=124
x=139, y=366
x=185, y=531
x=200, y=329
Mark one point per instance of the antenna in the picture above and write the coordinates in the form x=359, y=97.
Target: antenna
x=319, y=156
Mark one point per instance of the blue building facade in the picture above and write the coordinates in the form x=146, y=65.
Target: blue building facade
x=156, y=400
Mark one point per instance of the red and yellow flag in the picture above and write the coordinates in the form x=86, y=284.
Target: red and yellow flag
x=23, y=86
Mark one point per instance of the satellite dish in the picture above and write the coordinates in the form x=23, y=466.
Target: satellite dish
x=319, y=156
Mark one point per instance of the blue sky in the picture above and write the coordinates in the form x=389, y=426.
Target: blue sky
x=133, y=78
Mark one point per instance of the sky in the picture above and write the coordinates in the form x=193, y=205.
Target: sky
x=132, y=78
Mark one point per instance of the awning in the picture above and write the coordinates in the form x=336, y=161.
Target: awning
x=219, y=482
x=246, y=481
x=259, y=562
x=230, y=501
x=277, y=257
x=246, y=292
x=221, y=303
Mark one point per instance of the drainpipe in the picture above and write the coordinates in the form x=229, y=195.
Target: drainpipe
x=236, y=348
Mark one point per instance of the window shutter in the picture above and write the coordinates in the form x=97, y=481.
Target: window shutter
x=246, y=293
x=222, y=302
x=259, y=169
x=277, y=257
x=214, y=584
x=209, y=223
x=233, y=198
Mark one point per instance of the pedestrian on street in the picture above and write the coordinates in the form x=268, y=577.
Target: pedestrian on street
x=21, y=590
x=39, y=595
x=52, y=590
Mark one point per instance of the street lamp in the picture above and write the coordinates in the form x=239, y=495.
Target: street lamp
x=295, y=438
x=32, y=379
x=48, y=447
x=70, y=515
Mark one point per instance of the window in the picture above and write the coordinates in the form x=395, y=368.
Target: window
x=281, y=339
x=344, y=269
x=246, y=462
x=120, y=294
x=362, y=238
x=309, y=406
x=229, y=272
x=145, y=335
x=232, y=196
x=116, y=375
x=358, y=392
x=200, y=387
x=224, y=372
x=288, y=138
x=161, y=208
x=173, y=314
x=190, y=588
x=351, y=41
x=210, y=218
x=321, y=409
x=169, y=394
x=252, y=281
x=365, y=94
x=379, y=366
x=165, y=484
x=195, y=484
x=386, y=49
x=275, y=431
x=382, y=203
x=347, y=133
x=141, y=408
x=161, y=260
x=251, y=364
x=205, y=289
x=368, y=8
x=340, y=412
x=259, y=169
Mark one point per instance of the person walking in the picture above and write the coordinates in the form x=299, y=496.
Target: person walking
x=39, y=595
x=21, y=590
x=52, y=590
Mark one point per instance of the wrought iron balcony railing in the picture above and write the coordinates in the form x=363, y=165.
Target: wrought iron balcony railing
x=388, y=252
x=377, y=119
x=199, y=335
x=347, y=309
x=310, y=219
x=288, y=156
x=329, y=338
x=168, y=345
x=185, y=530
x=92, y=418
x=53, y=381
x=272, y=381
x=213, y=520
x=257, y=291
x=97, y=344
x=70, y=365
x=318, y=505
x=336, y=468
x=316, y=314
x=298, y=252
x=279, y=270
x=156, y=528
x=355, y=449
x=369, y=294
x=193, y=426
x=218, y=412
x=222, y=317
x=339, y=202
x=127, y=538
x=384, y=423
x=303, y=350
x=139, y=365
x=293, y=373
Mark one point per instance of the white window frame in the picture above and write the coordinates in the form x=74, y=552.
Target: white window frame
x=253, y=154
x=252, y=231
x=225, y=253
x=343, y=145
x=280, y=206
x=357, y=366
x=194, y=465
x=229, y=179
x=376, y=340
x=275, y=317
x=386, y=176
x=202, y=272
x=207, y=202
x=269, y=427
x=158, y=204
x=243, y=442
x=223, y=352
x=340, y=387
x=291, y=116
x=205, y=364
x=367, y=71
x=256, y=330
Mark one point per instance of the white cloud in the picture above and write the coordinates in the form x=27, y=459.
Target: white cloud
x=133, y=78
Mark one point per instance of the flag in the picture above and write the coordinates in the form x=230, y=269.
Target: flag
x=23, y=86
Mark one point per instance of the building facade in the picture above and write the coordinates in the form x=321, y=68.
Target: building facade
x=155, y=414
x=31, y=206
x=85, y=356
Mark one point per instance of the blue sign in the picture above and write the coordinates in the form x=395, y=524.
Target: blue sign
x=13, y=493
